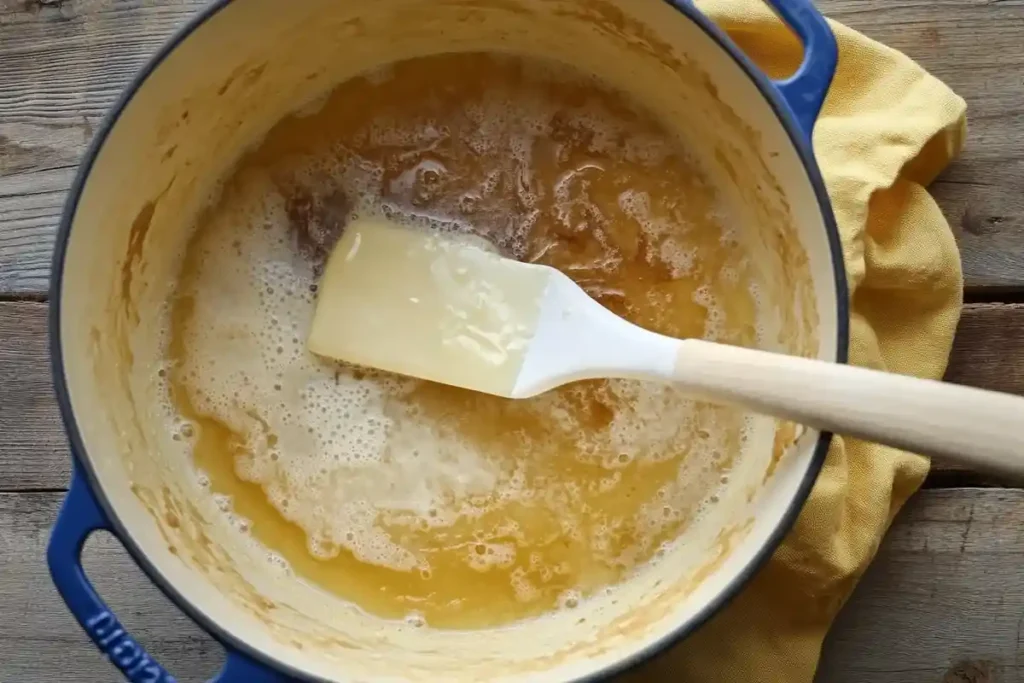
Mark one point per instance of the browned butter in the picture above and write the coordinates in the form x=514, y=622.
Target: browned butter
x=420, y=501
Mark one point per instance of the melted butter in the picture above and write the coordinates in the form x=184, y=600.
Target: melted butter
x=424, y=501
x=471, y=312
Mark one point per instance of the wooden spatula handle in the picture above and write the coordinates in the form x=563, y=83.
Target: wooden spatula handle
x=981, y=429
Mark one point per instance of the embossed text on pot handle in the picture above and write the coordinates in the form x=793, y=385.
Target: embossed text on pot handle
x=80, y=516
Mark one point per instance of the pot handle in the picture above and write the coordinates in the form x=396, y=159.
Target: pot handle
x=804, y=92
x=79, y=516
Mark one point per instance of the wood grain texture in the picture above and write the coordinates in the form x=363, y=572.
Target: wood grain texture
x=65, y=61
x=988, y=353
x=988, y=350
x=62, y=65
x=33, y=448
x=943, y=601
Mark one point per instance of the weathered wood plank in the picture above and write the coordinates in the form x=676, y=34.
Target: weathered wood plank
x=65, y=62
x=988, y=350
x=63, y=65
x=988, y=353
x=945, y=593
x=944, y=600
x=33, y=449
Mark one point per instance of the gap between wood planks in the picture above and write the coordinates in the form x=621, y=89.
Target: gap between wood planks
x=34, y=448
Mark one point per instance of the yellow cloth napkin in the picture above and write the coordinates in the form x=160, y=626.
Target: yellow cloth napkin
x=887, y=129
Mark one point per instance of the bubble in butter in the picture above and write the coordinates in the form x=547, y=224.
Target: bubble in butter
x=426, y=304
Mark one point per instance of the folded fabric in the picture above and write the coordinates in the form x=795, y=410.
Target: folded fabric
x=887, y=129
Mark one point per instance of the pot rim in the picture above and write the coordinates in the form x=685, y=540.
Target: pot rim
x=802, y=145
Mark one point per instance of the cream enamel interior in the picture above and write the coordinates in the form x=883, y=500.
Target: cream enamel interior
x=217, y=92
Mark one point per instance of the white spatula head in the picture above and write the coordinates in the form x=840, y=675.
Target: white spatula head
x=439, y=307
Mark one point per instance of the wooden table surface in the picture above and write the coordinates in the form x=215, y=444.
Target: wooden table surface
x=944, y=600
